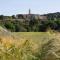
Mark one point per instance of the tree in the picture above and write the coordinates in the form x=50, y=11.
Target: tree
x=10, y=26
x=20, y=28
x=1, y=17
x=13, y=17
x=34, y=24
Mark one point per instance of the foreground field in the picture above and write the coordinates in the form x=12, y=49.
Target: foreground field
x=29, y=46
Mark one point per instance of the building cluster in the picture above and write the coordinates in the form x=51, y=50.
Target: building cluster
x=28, y=16
x=31, y=16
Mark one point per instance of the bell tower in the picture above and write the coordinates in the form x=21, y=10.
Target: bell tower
x=29, y=11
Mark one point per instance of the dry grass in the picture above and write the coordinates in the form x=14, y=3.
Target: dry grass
x=29, y=46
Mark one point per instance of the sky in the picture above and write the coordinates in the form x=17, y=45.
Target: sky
x=13, y=7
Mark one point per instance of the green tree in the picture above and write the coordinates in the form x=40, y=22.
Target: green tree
x=10, y=26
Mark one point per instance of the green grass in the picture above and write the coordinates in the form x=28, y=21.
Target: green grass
x=34, y=36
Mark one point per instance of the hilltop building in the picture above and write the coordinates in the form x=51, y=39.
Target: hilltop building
x=30, y=16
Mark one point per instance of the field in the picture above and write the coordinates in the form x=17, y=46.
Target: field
x=29, y=46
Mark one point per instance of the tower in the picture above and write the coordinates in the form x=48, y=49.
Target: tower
x=29, y=11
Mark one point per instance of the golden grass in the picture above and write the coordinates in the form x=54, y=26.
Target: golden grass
x=26, y=46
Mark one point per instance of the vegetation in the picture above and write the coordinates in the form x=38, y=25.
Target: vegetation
x=31, y=23
x=33, y=26
x=29, y=45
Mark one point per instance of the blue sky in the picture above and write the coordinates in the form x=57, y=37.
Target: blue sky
x=10, y=7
